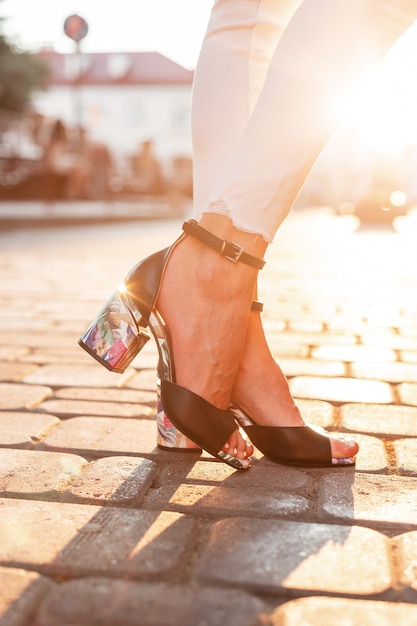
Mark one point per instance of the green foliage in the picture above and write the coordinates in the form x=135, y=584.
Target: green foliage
x=20, y=74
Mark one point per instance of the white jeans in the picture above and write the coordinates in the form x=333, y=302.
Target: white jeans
x=267, y=75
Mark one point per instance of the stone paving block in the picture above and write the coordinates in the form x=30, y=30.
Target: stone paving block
x=279, y=477
x=317, y=412
x=312, y=367
x=51, y=357
x=272, y=322
x=345, y=320
x=376, y=499
x=408, y=393
x=14, y=372
x=288, y=344
x=129, y=603
x=74, y=327
x=407, y=328
x=144, y=380
x=131, y=396
x=390, y=340
x=289, y=350
x=372, y=456
x=30, y=474
x=72, y=350
x=406, y=546
x=341, y=389
x=310, y=339
x=118, y=481
x=322, y=611
x=406, y=456
x=280, y=304
x=270, y=556
x=13, y=320
x=16, y=396
x=57, y=308
x=24, y=430
x=355, y=353
x=305, y=325
x=20, y=593
x=379, y=420
x=30, y=339
x=75, y=540
x=84, y=407
x=9, y=352
x=146, y=361
x=92, y=375
x=408, y=356
x=390, y=372
x=212, y=501
x=103, y=435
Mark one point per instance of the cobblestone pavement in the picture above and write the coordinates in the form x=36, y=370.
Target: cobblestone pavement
x=99, y=527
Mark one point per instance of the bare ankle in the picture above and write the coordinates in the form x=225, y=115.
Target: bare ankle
x=222, y=227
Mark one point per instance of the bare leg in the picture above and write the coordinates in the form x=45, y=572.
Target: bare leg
x=208, y=320
x=272, y=404
x=331, y=58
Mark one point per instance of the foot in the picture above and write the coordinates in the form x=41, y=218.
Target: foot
x=205, y=301
x=272, y=404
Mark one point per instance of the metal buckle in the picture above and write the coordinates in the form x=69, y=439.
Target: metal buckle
x=231, y=251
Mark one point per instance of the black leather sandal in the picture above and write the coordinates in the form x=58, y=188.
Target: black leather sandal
x=119, y=332
x=305, y=446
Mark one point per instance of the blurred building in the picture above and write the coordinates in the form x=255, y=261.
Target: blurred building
x=121, y=99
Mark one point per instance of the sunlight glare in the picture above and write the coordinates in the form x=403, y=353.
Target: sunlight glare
x=381, y=111
x=398, y=198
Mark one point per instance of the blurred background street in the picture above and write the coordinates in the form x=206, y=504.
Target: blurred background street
x=89, y=112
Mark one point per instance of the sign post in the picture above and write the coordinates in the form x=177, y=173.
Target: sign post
x=76, y=28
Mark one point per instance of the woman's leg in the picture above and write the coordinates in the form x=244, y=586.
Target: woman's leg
x=266, y=175
x=234, y=59
x=319, y=55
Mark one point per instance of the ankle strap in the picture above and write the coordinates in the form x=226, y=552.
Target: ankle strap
x=230, y=250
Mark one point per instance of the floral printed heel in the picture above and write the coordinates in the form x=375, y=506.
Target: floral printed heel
x=116, y=334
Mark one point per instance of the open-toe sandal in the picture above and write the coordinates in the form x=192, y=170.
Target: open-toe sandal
x=305, y=446
x=121, y=329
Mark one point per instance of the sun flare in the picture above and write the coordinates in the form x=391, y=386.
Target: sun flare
x=382, y=111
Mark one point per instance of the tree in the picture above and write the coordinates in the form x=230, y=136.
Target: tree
x=20, y=75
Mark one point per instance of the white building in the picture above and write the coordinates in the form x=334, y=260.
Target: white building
x=122, y=100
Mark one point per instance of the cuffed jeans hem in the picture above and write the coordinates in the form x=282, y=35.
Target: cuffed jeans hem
x=220, y=208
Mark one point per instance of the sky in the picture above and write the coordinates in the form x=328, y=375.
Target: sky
x=174, y=28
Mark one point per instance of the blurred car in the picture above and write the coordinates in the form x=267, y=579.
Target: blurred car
x=381, y=206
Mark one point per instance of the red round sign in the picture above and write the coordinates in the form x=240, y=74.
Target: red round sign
x=75, y=27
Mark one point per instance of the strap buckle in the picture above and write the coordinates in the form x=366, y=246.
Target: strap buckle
x=231, y=251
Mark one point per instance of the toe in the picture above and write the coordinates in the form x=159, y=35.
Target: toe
x=344, y=448
x=238, y=446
